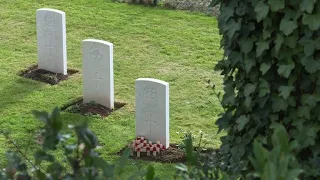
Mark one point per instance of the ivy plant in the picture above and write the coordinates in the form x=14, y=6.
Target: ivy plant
x=271, y=74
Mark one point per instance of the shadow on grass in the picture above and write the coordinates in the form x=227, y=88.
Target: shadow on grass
x=16, y=91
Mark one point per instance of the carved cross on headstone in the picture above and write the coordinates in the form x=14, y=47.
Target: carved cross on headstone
x=149, y=120
x=51, y=35
x=49, y=60
x=97, y=79
x=50, y=47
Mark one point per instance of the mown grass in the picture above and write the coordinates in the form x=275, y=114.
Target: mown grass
x=178, y=47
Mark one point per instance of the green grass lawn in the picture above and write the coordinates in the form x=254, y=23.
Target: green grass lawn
x=174, y=46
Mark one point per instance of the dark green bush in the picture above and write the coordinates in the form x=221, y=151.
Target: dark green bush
x=278, y=163
x=271, y=70
x=82, y=160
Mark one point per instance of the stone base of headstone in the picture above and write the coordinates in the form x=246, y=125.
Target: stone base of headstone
x=45, y=76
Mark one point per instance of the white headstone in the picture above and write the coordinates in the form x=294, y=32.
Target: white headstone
x=152, y=110
x=51, y=34
x=97, y=62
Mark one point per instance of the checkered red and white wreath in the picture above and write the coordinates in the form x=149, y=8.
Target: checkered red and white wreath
x=141, y=144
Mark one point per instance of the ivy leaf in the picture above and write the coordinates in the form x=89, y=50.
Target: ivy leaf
x=232, y=26
x=307, y=5
x=310, y=45
x=284, y=69
x=310, y=100
x=279, y=104
x=276, y=5
x=226, y=14
x=264, y=68
x=312, y=20
x=246, y=45
x=242, y=121
x=249, y=89
x=228, y=99
x=267, y=22
x=278, y=42
x=262, y=10
x=241, y=9
x=266, y=33
x=291, y=101
x=229, y=96
x=223, y=121
x=285, y=91
x=249, y=63
x=317, y=6
x=310, y=48
x=264, y=87
x=310, y=64
x=235, y=57
x=292, y=14
x=261, y=47
x=287, y=26
x=291, y=41
x=304, y=111
x=247, y=103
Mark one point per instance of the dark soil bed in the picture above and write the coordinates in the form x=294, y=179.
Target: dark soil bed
x=171, y=155
x=87, y=109
x=45, y=76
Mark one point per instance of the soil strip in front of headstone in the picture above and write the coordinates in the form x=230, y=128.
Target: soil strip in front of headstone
x=45, y=76
x=173, y=154
x=86, y=109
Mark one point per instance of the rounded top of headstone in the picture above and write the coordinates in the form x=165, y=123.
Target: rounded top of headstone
x=153, y=80
x=98, y=41
x=52, y=10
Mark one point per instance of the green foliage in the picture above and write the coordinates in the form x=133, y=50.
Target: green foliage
x=82, y=161
x=279, y=163
x=271, y=75
x=199, y=166
x=171, y=56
